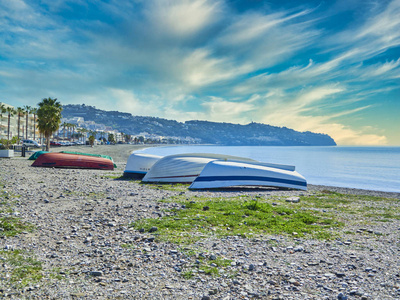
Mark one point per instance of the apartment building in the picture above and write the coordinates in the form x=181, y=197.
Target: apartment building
x=27, y=130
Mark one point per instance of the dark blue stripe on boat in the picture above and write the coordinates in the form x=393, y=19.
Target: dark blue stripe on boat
x=250, y=178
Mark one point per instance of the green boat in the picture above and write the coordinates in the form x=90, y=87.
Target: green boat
x=36, y=154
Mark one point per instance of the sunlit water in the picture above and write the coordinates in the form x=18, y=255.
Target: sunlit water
x=372, y=168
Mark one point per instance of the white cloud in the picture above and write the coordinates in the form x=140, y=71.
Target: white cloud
x=182, y=18
x=221, y=110
x=389, y=68
x=302, y=114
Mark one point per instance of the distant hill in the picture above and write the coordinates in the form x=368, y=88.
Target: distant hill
x=203, y=132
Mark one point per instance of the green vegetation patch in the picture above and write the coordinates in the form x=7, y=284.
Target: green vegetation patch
x=177, y=187
x=237, y=216
x=205, y=264
x=376, y=208
x=10, y=226
x=20, y=267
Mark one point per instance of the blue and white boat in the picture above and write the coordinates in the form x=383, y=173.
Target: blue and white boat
x=222, y=174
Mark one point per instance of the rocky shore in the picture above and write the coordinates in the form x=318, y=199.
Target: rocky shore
x=78, y=231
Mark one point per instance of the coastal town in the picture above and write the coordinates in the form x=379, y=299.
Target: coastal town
x=20, y=123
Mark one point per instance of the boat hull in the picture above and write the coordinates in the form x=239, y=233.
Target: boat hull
x=139, y=164
x=220, y=174
x=184, y=168
x=65, y=160
x=36, y=154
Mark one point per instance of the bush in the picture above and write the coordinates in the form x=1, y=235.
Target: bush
x=5, y=144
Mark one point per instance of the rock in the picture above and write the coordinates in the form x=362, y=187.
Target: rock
x=153, y=229
x=298, y=249
x=294, y=282
x=293, y=199
x=341, y=296
x=96, y=273
x=213, y=291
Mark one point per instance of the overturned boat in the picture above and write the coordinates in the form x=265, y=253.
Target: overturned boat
x=139, y=164
x=184, y=168
x=89, y=154
x=36, y=154
x=67, y=160
x=221, y=174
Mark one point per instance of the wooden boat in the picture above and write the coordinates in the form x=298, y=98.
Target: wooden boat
x=66, y=160
x=221, y=174
x=184, y=168
x=139, y=164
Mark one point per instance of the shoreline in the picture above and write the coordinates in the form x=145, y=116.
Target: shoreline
x=121, y=152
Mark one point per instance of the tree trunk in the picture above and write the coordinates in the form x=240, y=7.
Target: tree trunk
x=19, y=124
x=26, y=129
x=8, y=130
x=34, y=127
x=47, y=136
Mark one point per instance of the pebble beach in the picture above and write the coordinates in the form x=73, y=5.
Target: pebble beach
x=80, y=233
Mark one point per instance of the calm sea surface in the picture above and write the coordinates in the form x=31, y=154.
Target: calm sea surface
x=372, y=168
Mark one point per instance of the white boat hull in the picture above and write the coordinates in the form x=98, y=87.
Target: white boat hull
x=139, y=164
x=184, y=168
x=220, y=174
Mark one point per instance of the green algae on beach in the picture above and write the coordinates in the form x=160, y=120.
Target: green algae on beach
x=200, y=217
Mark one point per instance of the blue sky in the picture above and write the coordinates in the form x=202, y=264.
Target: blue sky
x=323, y=66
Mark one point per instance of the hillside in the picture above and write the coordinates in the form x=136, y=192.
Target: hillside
x=204, y=132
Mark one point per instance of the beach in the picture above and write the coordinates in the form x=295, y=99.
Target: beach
x=81, y=235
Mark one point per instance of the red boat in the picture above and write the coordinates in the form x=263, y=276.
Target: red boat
x=66, y=160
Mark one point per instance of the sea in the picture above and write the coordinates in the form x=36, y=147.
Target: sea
x=370, y=168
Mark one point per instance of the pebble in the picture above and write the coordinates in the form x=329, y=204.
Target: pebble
x=153, y=229
x=293, y=199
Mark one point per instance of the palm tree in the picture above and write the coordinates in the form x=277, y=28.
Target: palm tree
x=85, y=131
x=68, y=131
x=80, y=133
x=20, y=112
x=49, y=118
x=73, y=130
x=3, y=110
x=64, y=125
x=92, y=137
x=11, y=111
x=28, y=110
x=34, y=112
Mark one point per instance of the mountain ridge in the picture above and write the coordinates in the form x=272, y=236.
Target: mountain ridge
x=200, y=132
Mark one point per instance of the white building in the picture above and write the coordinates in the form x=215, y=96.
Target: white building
x=27, y=130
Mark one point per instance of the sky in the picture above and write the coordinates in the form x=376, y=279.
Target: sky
x=323, y=66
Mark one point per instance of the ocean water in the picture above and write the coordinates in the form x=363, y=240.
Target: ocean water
x=372, y=168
